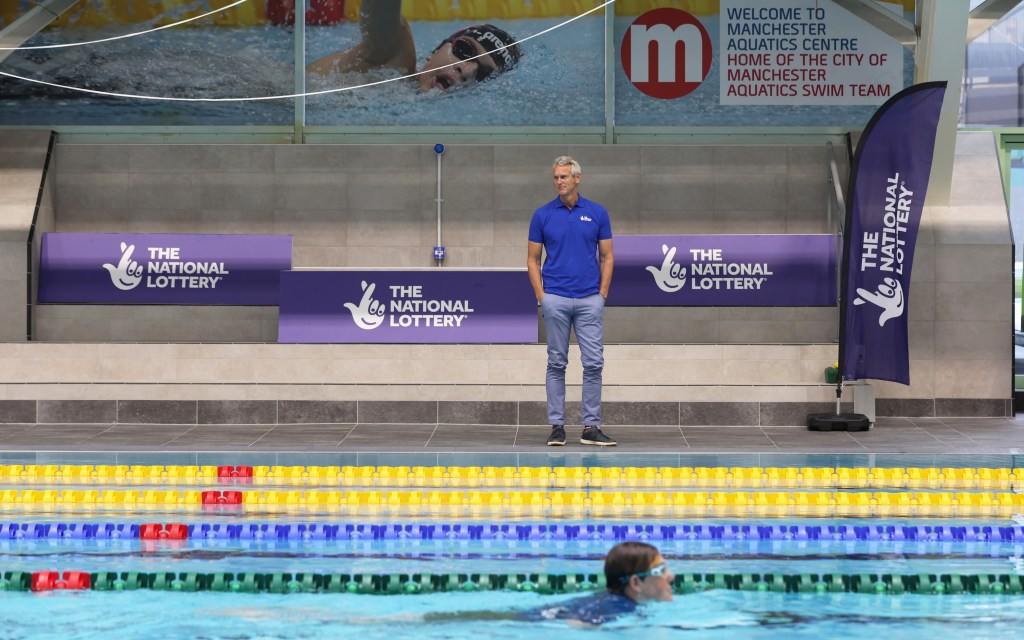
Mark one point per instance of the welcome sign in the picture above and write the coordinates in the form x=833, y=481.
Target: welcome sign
x=724, y=270
x=158, y=268
x=444, y=305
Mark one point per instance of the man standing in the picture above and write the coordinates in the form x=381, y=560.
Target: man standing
x=571, y=287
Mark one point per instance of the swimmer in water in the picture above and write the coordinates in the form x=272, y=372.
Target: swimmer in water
x=387, y=43
x=635, y=572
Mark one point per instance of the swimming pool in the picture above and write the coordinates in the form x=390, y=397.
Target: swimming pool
x=712, y=614
x=294, y=556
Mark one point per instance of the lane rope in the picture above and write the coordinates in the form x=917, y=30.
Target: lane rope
x=405, y=583
x=946, y=478
x=648, y=532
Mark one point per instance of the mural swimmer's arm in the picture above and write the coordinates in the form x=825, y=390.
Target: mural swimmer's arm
x=386, y=43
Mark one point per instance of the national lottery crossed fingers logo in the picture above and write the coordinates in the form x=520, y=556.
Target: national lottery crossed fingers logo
x=888, y=297
x=670, y=276
x=163, y=267
x=409, y=307
x=369, y=313
x=710, y=269
x=127, y=273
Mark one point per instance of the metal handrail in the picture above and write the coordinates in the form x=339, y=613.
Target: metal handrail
x=837, y=203
x=836, y=197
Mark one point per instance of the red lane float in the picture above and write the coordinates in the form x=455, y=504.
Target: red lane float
x=163, y=532
x=234, y=472
x=222, y=497
x=52, y=580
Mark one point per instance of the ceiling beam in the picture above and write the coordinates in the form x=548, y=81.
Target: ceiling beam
x=30, y=23
x=886, y=21
x=987, y=14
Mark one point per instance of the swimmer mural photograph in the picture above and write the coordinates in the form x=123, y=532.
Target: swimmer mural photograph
x=452, y=64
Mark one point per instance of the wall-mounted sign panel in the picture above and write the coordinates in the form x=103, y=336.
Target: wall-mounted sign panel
x=799, y=53
x=158, y=268
x=724, y=270
x=440, y=305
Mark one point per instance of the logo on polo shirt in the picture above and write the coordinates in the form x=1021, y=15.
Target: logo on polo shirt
x=585, y=219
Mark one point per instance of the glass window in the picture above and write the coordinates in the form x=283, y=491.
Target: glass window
x=472, y=63
x=751, y=63
x=992, y=74
x=1017, y=226
x=230, y=54
x=460, y=75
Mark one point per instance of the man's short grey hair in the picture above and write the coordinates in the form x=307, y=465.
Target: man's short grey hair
x=568, y=161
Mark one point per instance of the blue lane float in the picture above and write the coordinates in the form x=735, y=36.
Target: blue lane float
x=528, y=532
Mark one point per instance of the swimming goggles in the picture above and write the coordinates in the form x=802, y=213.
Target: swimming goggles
x=658, y=571
x=463, y=49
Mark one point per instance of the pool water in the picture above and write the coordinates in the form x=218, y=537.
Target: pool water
x=747, y=575
x=711, y=614
x=715, y=613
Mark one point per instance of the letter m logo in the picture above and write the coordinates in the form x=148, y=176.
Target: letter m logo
x=670, y=43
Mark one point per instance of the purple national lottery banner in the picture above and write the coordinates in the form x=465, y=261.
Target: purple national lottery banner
x=888, y=182
x=724, y=270
x=159, y=268
x=409, y=306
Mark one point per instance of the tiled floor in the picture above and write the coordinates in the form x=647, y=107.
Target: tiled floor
x=889, y=435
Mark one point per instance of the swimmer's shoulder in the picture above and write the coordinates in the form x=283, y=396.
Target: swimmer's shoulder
x=594, y=609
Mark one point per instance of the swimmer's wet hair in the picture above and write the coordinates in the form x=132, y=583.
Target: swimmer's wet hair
x=502, y=47
x=627, y=559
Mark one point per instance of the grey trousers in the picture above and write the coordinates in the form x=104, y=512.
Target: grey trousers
x=586, y=316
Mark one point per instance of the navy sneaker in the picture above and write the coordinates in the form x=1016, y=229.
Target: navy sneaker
x=557, y=437
x=593, y=435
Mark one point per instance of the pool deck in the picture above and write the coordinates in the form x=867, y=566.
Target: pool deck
x=930, y=436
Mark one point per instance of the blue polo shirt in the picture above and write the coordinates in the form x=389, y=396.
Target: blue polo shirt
x=571, y=268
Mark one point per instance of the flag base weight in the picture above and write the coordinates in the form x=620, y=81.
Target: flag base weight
x=838, y=422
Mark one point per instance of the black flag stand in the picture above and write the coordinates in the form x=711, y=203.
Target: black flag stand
x=838, y=421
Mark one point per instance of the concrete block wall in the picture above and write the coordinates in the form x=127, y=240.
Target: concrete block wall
x=371, y=206
x=375, y=206
x=476, y=384
x=27, y=195
x=961, y=299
